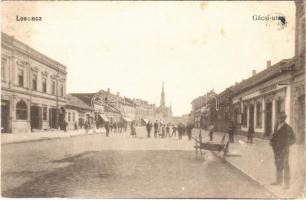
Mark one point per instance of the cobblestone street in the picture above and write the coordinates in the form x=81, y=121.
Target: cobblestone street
x=94, y=166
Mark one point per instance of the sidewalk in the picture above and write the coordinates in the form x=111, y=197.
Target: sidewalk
x=8, y=138
x=257, y=162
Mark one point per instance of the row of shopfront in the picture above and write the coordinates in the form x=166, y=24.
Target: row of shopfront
x=256, y=102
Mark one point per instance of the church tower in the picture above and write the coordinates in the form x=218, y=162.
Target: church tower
x=162, y=97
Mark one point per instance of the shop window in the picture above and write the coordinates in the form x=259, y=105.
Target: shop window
x=280, y=106
x=259, y=115
x=20, y=77
x=44, y=85
x=45, y=111
x=21, y=110
x=53, y=87
x=69, y=116
x=34, y=81
x=3, y=64
x=73, y=116
x=61, y=90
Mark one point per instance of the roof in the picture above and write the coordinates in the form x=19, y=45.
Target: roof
x=284, y=66
x=85, y=97
x=77, y=103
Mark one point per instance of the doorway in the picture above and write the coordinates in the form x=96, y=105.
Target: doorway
x=251, y=117
x=268, y=119
x=52, y=118
x=36, y=122
x=5, y=114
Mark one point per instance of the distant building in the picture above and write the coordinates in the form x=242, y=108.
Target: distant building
x=77, y=113
x=144, y=111
x=33, y=88
x=203, y=109
x=163, y=112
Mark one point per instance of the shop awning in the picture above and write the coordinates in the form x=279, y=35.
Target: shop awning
x=127, y=119
x=145, y=120
x=104, y=117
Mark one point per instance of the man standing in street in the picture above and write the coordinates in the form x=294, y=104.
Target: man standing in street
x=107, y=128
x=155, y=129
x=231, y=130
x=149, y=127
x=282, y=138
x=189, y=128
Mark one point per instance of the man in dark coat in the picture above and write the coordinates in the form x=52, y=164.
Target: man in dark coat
x=189, y=128
x=155, y=129
x=180, y=131
x=282, y=138
x=231, y=130
x=149, y=127
x=107, y=128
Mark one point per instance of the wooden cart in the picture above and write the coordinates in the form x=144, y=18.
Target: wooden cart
x=211, y=146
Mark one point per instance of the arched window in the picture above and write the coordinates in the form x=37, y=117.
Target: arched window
x=21, y=110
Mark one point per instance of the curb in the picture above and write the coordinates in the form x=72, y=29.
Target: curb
x=246, y=175
x=48, y=138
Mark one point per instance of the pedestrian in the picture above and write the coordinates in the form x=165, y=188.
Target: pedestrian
x=183, y=129
x=231, y=130
x=211, y=131
x=168, y=130
x=149, y=127
x=251, y=132
x=155, y=129
x=115, y=127
x=283, y=137
x=133, y=130
x=107, y=129
x=111, y=126
x=174, y=128
x=86, y=125
x=163, y=131
x=189, y=128
x=75, y=126
x=65, y=125
x=180, y=131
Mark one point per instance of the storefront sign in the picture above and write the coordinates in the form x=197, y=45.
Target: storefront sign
x=268, y=89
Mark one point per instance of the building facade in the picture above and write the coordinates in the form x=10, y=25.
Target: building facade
x=33, y=88
x=203, y=109
x=258, y=100
x=77, y=113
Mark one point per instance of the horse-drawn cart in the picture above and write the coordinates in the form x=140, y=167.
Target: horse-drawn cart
x=211, y=146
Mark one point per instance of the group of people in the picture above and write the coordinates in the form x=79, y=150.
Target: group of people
x=168, y=130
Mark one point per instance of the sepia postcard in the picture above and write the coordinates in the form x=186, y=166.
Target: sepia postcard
x=153, y=99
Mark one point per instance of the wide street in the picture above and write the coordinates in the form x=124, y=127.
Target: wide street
x=95, y=166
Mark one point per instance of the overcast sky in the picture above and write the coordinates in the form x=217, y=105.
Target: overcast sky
x=131, y=47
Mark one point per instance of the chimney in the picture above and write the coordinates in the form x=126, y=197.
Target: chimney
x=253, y=72
x=108, y=90
x=118, y=94
x=268, y=63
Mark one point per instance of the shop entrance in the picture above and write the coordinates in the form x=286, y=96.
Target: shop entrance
x=36, y=122
x=268, y=119
x=52, y=118
x=5, y=114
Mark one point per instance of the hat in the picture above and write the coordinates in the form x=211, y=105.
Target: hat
x=282, y=115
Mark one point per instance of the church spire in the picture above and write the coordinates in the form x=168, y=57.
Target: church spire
x=162, y=98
